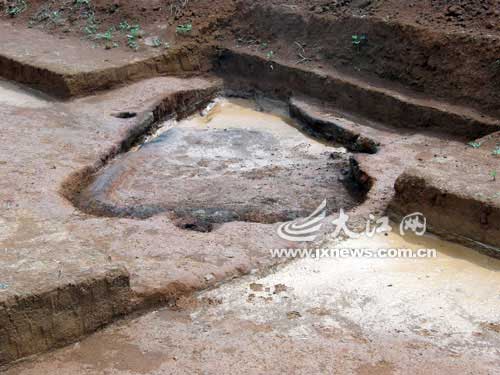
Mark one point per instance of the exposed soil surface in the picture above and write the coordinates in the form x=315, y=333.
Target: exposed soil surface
x=335, y=316
x=57, y=278
x=232, y=164
x=93, y=219
x=479, y=15
x=154, y=18
x=419, y=45
x=71, y=17
x=455, y=198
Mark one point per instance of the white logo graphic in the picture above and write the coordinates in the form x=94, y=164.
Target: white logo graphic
x=305, y=230
x=373, y=226
x=415, y=222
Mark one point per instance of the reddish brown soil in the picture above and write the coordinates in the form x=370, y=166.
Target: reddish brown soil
x=445, y=15
x=155, y=18
x=420, y=45
x=210, y=18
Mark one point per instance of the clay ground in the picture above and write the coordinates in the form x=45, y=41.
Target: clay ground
x=57, y=230
x=32, y=221
x=445, y=49
x=389, y=108
x=335, y=316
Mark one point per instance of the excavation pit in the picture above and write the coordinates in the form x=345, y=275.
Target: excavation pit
x=101, y=218
x=237, y=160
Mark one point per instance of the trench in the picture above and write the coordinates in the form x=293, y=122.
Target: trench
x=234, y=159
x=202, y=158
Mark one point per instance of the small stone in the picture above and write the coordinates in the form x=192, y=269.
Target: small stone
x=336, y=155
x=364, y=4
x=151, y=41
x=124, y=114
x=256, y=287
x=293, y=315
x=454, y=11
x=278, y=288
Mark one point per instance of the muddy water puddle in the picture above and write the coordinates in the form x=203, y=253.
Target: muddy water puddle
x=266, y=115
x=238, y=160
x=260, y=115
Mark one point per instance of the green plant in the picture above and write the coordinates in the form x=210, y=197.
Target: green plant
x=134, y=31
x=91, y=25
x=493, y=175
x=474, y=144
x=84, y=9
x=184, y=29
x=176, y=7
x=270, y=55
x=81, y=3
x=108, y=35
x=16, y=8
x=124, y=26
x=133, y=34
x=133, y=44
x=46, y=14
x=156, y=42
x=55, y=17
x=496, y=151
x=90, y=29
x=359, y=40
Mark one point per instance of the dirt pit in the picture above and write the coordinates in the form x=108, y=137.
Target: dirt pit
x=237, y=160
x=401, y=86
